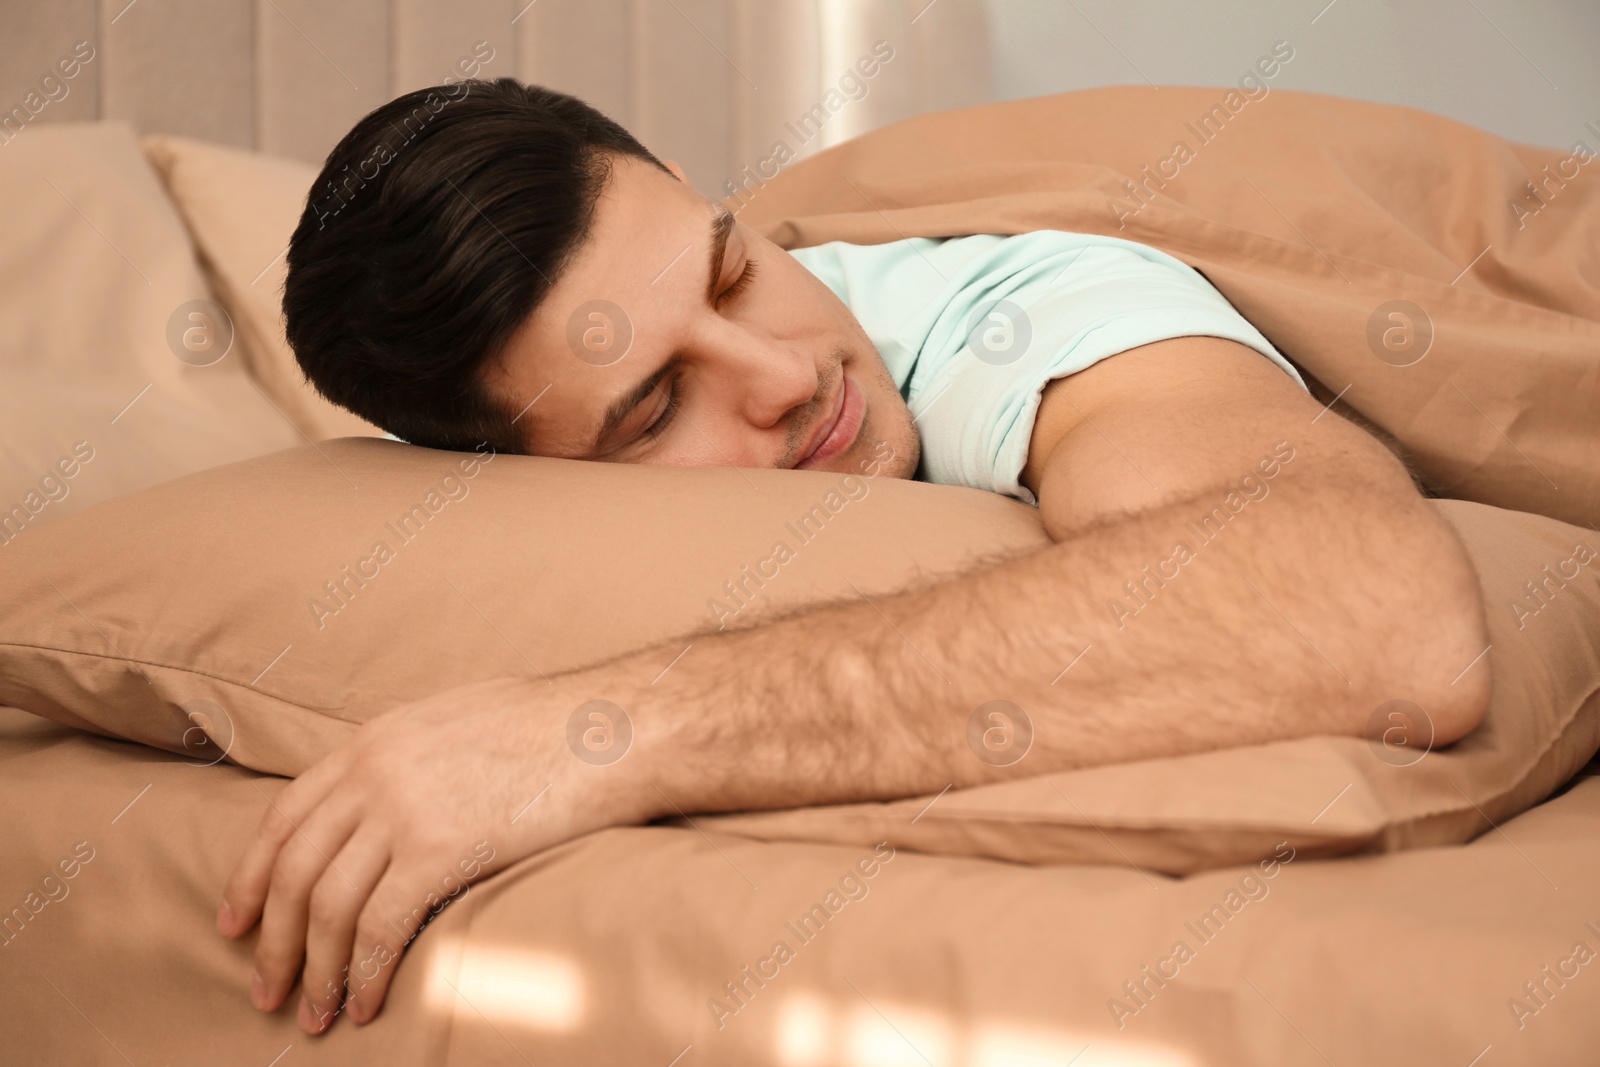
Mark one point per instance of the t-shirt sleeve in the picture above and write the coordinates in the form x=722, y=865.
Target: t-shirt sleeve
x=976, y=402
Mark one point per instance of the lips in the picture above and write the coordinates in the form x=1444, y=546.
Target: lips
x=841, y=429
x=823, y=431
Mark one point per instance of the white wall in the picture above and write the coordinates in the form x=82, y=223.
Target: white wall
x=1528, y=70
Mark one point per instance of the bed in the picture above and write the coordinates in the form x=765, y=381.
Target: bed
x=1323, y=901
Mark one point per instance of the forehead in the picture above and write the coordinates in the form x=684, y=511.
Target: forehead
x=642, y=221
x=639, y=274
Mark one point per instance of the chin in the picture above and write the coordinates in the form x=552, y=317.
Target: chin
x=904, y=465
x=904, y=438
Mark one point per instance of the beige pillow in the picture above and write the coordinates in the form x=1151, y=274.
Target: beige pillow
x=97, y=284
x=281, y=601
x=241, y=208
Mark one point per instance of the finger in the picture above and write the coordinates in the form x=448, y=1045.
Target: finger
x=403, y=902
x=303, y=860
x=246, y=889
x=331, y=924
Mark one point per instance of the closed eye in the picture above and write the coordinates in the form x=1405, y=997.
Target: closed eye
x=740, y=284
x=674, y=396
x=675, y=391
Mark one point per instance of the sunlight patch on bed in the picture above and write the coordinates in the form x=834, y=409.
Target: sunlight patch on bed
x=521, y=987
x=813, y=1030
x=889, y=1034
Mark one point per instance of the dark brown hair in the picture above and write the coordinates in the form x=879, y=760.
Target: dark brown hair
x=435, y=228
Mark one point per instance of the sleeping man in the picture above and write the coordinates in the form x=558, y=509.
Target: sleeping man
x=491, y=264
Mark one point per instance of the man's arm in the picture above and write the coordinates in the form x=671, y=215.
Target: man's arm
x=1333, y=588
x=1306, y=598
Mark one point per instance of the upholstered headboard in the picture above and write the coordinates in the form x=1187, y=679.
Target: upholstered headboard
x=713, y=84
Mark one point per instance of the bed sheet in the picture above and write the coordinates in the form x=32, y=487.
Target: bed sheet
x=668, y=945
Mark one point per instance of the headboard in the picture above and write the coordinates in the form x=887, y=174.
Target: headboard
x=713, y=84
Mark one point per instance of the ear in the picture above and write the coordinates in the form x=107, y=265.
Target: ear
x=672, y=165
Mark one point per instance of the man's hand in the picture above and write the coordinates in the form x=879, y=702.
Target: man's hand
x=361, y=850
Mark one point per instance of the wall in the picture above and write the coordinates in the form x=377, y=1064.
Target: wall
x=1528, y=70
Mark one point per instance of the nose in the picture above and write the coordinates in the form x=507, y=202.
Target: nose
x=770, y=377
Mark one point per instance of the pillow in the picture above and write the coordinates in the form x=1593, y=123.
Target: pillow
x=108, y=383
x=241, y=208
x=294, y=591
x=279, y=602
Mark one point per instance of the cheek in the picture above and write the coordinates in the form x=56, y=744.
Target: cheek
x=808, y=302
x=888, y=419
x=886, y=408
x=705, y=436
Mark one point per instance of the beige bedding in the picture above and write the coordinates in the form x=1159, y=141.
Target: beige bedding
x=282, y=627
x=1311, y=215
x=97, y=278
x=616, y=948
x=1377, y=247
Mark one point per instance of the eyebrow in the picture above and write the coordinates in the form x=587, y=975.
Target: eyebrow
x=620, y=408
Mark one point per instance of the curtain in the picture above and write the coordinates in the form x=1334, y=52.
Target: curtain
x=715, y=84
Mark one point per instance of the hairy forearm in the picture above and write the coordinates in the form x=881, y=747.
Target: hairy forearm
x=1288, y=622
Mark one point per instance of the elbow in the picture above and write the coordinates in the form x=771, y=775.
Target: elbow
x=1455, y=676
x=1462, y=702
x=1439, y=654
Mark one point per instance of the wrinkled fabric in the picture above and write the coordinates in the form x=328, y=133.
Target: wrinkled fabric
x=973, y=328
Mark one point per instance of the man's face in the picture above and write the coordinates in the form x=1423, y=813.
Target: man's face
x=762, y=371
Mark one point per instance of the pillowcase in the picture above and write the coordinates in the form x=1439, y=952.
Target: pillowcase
x=302, y=593
x=116, y=371
x=242, y=208
x=277, y=603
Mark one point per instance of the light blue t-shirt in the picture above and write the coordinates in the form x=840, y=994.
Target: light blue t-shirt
x=973, y=328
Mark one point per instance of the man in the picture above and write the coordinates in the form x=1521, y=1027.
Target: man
x=499, y=263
